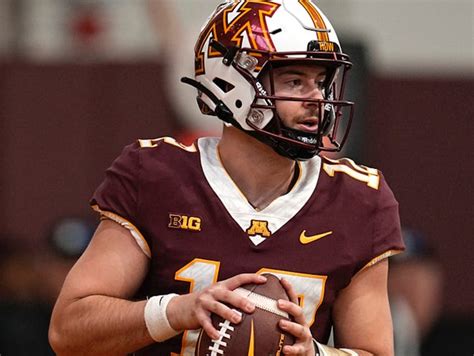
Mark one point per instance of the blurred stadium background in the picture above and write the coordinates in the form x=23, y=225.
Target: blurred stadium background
x=79, y=79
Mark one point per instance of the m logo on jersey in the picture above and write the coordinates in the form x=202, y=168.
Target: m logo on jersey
x=184, y=222
x=259, y=227
x=229, y=30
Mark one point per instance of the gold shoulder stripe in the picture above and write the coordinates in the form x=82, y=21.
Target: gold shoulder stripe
x=150, y=143
x=381, y=257
x=140, y=240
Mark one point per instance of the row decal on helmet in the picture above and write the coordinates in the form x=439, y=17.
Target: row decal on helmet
x=231, y=32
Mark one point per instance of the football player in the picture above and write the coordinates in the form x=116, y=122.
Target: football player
x=184, y=226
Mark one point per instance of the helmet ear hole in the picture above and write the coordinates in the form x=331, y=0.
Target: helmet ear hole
x=223, y=85
x=238, y=103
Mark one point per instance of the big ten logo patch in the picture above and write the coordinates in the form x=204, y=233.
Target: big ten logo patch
x=184, y=222
x=259, y=227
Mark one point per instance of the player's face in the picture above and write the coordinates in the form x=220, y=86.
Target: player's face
x=299, y=81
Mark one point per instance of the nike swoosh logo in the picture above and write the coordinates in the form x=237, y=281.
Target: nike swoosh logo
x=307, y=239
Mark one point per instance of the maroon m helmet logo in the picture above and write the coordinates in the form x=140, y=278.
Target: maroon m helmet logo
x=250, y=19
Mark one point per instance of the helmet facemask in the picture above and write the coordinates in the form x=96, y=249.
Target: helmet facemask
x=290, y=142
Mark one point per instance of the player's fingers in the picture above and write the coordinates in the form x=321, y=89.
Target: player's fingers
x=293, y=309
x=301, y=332
x=244, y=278
x=235, y=299
x=290, y=290
x=216, y=307
x=296, y=349
x=210, y=331
x=205, y=322
x=223, y=292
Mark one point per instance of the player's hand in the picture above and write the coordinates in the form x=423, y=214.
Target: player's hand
x=298, y=328
x=193, y=311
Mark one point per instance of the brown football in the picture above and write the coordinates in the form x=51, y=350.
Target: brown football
x=258, y=333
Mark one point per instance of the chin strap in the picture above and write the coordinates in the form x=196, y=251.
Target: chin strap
x=281, y=146
x=294, y=144
x=221, y=110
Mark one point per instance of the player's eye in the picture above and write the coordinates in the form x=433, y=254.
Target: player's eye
x=294, y=83
x=321, y=83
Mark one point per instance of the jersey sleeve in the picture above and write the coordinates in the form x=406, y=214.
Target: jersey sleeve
x=386, y=238
x=117, y=196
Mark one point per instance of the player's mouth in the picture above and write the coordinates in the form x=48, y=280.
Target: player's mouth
x=308, y=124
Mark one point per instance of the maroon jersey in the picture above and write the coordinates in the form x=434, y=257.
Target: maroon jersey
x=196, y=227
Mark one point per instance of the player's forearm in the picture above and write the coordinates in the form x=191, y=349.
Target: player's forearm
x=99, y=325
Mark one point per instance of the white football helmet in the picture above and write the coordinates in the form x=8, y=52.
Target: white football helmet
x=244, y=38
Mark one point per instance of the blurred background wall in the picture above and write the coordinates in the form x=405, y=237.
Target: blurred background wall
x=79, y=79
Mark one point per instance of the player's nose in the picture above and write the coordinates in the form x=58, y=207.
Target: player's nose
x=314, y=94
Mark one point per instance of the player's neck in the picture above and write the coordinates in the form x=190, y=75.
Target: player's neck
x=260, y=173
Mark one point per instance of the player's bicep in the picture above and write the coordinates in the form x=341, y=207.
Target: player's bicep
x=113, y=265
x=361, y=313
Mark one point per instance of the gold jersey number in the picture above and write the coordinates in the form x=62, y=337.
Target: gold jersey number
x=361, y=173
x=202, y=273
